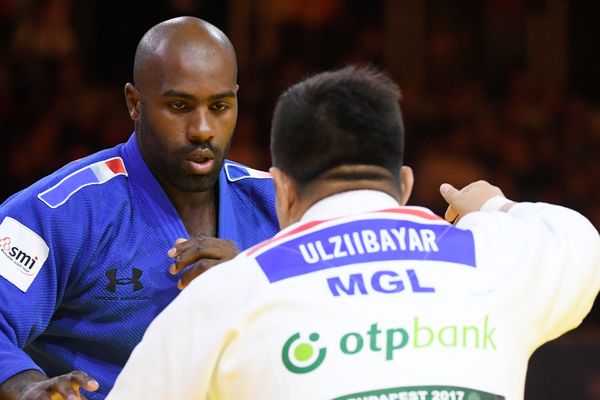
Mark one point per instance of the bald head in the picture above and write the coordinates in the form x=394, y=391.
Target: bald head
x=187, y=39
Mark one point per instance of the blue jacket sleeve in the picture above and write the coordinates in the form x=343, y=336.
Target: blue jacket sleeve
x=34, y=265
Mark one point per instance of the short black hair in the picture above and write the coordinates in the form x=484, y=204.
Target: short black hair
x=348, y=116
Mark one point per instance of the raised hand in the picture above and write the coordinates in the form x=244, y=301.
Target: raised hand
x=199, y=253
x=469, y=199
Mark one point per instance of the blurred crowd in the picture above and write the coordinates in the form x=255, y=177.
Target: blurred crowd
x=477, y=113
x=63, y=65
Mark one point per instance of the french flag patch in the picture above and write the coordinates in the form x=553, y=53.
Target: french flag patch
x=93, y=174
x=235, y=172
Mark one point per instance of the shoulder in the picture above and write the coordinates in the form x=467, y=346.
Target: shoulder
x=89, y=174
x=83, y=177
x=81, y=195
x=236, y=172
x=246, y=182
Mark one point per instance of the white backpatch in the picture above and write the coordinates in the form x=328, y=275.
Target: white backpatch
x=22, y=253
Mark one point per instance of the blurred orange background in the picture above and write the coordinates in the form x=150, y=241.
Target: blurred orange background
x=503, y=90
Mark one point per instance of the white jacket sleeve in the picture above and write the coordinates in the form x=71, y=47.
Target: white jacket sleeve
x=547, y=256
x=179, y=351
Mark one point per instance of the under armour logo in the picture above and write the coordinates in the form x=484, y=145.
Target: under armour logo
x=136, y=274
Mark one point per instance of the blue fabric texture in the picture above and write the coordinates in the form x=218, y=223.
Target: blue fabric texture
x=106, y=276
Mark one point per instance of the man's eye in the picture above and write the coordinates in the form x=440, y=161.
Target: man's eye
x=219, y=106
x=178, y=105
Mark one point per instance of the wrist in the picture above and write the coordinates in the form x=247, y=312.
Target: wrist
x=497, y=203
x=13, y=387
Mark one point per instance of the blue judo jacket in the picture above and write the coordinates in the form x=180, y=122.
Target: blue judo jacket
x=83, y=260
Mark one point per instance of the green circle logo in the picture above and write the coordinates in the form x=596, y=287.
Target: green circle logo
x=303, y=352
x=300, y=358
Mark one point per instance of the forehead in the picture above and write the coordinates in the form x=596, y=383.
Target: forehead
x=201, y=71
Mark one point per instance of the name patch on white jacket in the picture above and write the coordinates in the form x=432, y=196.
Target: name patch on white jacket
x=22, y=253
x=365, y=241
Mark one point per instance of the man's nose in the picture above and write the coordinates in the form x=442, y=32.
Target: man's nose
x=201, y=126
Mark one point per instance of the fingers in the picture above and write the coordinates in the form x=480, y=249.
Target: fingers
x=469, y=199
x=190, y=251
x=68, y=385
x=203, y=247
x=84, y=380
x=61, y=387
x=173, y=250
x=448, y=192
x=451, y=215
x=64, y=389
x=198, y=254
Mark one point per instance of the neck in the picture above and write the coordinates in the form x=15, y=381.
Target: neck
x=345, y=179
x=197, y=210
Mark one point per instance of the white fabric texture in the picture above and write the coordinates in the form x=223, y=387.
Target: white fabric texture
x=425, y=307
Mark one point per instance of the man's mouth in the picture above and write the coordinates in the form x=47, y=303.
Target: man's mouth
x=200, y=163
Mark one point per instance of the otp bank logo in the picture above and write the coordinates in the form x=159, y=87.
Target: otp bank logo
x=17, y=256
x=300, y=357
x=389, y=342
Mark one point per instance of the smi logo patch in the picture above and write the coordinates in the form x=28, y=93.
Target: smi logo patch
x=22, y=253
x=24, y=261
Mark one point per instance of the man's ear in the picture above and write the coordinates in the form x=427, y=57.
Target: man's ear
x=133, y=99
x=407, y=180
x=286, y=195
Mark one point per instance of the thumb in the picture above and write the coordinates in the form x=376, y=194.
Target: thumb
x=448, y=192
x=91, y=385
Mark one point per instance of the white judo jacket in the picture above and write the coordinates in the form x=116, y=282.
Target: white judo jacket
x=365, y=299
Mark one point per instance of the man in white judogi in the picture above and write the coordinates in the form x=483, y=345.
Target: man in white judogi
x=360, y=296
